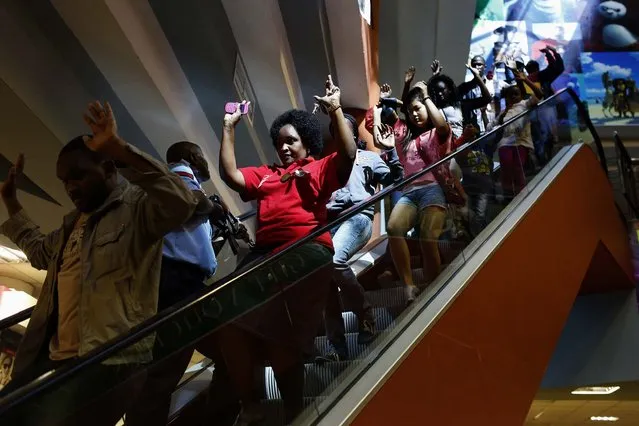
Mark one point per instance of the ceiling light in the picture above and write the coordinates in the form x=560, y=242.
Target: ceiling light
x=596, y=390
x=603, y=419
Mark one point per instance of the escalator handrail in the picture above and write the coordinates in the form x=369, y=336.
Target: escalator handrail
x=629, y=184
x=591, y=127
x=14, y=319
x=154, y=323
x=378, y=352
x=247, y=215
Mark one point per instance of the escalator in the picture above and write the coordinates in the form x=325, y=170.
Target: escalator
x=478, y=337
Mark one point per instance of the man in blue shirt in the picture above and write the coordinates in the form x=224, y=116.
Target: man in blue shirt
x=188, y=260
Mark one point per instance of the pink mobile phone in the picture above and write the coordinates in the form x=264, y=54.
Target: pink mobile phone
x=231, y=107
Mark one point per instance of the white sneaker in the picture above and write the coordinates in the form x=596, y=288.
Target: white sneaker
x=411, y=293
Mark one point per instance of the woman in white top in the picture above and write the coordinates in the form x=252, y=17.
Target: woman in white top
x=516, y=142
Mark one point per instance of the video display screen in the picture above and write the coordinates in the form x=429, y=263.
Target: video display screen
x=597, y=39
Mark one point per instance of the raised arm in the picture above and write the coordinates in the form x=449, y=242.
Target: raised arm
x=555, y=64
x=229, y=172
x=165, y=202
x=485, y=93
x=387, y=169
x=38, y=247
x=409, y=75
x=469, y=135
x=436, y=67
x=346, y=147
x=522, y=79
x=439, y=122
x=381, y=138
x=8, y=189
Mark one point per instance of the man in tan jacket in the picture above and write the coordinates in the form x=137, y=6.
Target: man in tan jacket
x=103, y=268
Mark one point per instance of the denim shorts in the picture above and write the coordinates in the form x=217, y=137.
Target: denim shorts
x=430, y=195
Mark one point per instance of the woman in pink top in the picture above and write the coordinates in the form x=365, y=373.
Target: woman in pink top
x=420, y=141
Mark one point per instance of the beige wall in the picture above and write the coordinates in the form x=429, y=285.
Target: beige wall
x=23, y=277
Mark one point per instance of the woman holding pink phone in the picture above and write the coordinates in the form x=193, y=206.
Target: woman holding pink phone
x=232, y=107
x=291, y=202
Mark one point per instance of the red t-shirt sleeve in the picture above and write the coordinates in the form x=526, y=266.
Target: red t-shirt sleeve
x=327, y=179
x=400, y=129
x=368, y=120
x=252, y=178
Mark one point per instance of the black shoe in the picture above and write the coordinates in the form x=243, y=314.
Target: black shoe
x=367, y=332
x=337, y=353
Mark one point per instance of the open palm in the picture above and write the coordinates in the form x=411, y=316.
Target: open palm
x=436, y=67
x=331, y=100
x=473, y=71
x=8, y=188
x=385, y=91
x=103, y=126
x=409, y=74
x=385, y=136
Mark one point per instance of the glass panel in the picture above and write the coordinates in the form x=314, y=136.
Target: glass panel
x=258, y=301
x=491, y=195
x=283, y=300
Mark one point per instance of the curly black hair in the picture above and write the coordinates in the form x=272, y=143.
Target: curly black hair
x=307, y=126
x=452, y=87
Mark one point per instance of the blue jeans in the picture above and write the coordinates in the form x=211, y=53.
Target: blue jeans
x=424, y=196
x=348, y=238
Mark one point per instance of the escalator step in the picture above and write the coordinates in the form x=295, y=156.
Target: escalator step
x=387, y=297
x=355, y=350
x=317, y=379
x=382, y=320
x=274, y=409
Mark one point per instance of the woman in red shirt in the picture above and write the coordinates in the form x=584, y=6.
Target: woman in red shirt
x=291, y=201
x=420, y=141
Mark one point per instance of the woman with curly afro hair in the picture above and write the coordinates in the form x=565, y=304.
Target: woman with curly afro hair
x=291, y=292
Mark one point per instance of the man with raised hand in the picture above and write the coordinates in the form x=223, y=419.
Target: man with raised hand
x=103, y=270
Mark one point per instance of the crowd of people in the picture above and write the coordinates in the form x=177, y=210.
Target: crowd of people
x=139, y=239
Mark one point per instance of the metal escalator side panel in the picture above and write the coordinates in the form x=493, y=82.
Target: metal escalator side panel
x=477, y=352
